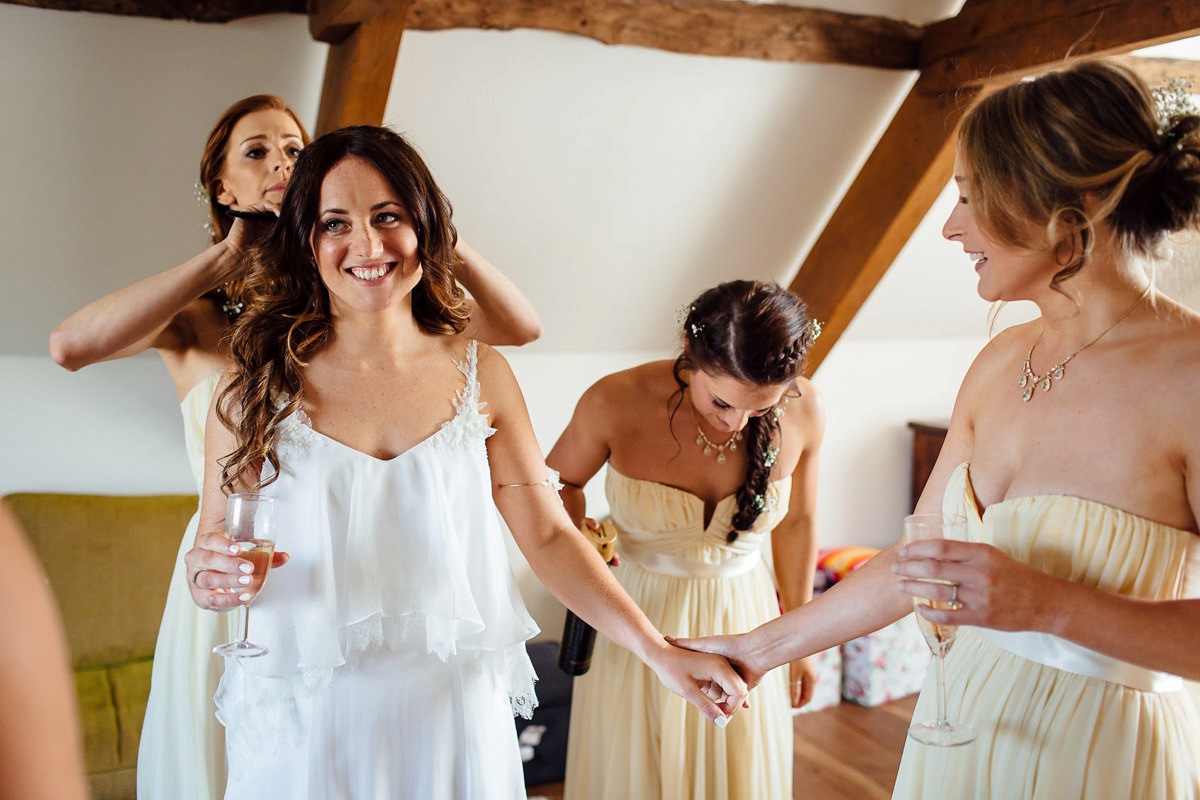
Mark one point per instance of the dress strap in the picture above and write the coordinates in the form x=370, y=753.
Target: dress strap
x=468, y=396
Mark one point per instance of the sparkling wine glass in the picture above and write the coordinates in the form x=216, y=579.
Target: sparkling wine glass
x=939, y=636
x=250, y=523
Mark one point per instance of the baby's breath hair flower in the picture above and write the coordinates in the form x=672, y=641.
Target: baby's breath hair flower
x=769, y=456
x=1172, y=101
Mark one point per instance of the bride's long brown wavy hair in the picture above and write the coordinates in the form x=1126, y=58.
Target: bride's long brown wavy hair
x=289, y=319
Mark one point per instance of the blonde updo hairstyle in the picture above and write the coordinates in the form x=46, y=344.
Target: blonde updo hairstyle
x=1036, y=150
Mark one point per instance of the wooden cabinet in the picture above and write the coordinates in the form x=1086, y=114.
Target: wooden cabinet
x=927, y=444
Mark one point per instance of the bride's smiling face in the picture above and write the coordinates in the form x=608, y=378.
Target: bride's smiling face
x=364, y=241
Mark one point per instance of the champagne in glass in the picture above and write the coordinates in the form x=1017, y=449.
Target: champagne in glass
x=250, y=524
x=939, y=636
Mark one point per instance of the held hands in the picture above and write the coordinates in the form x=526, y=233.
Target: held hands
x=803, y=676
x=991, y=589
x=217, y=576
x=706, y=681
x=732, y=647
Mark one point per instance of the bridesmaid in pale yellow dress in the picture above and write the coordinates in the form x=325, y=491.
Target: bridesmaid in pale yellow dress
x=710, y=459
x=1073, y=452
x=184, y=314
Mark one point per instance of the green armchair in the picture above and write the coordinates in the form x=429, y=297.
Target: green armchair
x=109, y=560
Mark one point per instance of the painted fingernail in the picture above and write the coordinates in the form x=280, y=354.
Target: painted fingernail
x=245, y=580
x=246, y=568
x=721, y=722
x=235, y=549
x=245, y=597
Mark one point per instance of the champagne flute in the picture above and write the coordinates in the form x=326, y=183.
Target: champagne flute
x=939, y=636
x=250, y=523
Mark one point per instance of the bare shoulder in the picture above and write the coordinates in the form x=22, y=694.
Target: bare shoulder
x=492, y=367
x=1001, y=349
x=802, y=423
x=1170, y=352
x=993, y=365
x=629, y=391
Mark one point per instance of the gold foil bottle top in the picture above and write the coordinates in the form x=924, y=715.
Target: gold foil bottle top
x=603, y=539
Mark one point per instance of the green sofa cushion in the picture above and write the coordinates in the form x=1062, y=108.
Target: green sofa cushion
x=109, y=560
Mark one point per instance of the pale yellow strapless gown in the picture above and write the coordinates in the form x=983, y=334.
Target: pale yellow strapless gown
x=632, y=739
x=181, y=755
x=1049, y=733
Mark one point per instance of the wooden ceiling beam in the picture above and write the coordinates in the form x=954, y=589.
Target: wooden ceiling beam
x=702, y=27
x=364, y=38
x=994, y=40
x=333, y=20
x=191, y=10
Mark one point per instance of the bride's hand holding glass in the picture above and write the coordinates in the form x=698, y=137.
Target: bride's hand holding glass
x=219, y=577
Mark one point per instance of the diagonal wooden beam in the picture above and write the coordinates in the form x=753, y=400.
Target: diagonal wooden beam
x=989, y=40
x=896, y=187
x=365, y=40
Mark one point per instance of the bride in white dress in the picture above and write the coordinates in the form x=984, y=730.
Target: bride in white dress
x=395, y=630
x=184, y=313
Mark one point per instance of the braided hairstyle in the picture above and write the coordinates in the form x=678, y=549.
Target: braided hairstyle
x=1036, y=149
x=757, y=333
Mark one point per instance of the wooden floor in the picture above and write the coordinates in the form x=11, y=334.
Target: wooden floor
x=848, y=752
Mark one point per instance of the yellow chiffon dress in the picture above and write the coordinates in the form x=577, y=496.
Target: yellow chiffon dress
x=632, y=739
x=181, y=754
x=1056, y=720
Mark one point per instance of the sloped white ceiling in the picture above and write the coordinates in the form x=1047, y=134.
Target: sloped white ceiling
x=612, y=183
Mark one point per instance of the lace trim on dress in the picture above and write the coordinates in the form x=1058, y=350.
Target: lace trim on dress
x=468, y=426
x=296, y=428
x=257, y=721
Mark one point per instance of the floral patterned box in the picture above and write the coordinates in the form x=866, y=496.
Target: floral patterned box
x=828, y=692
x=885, y=665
